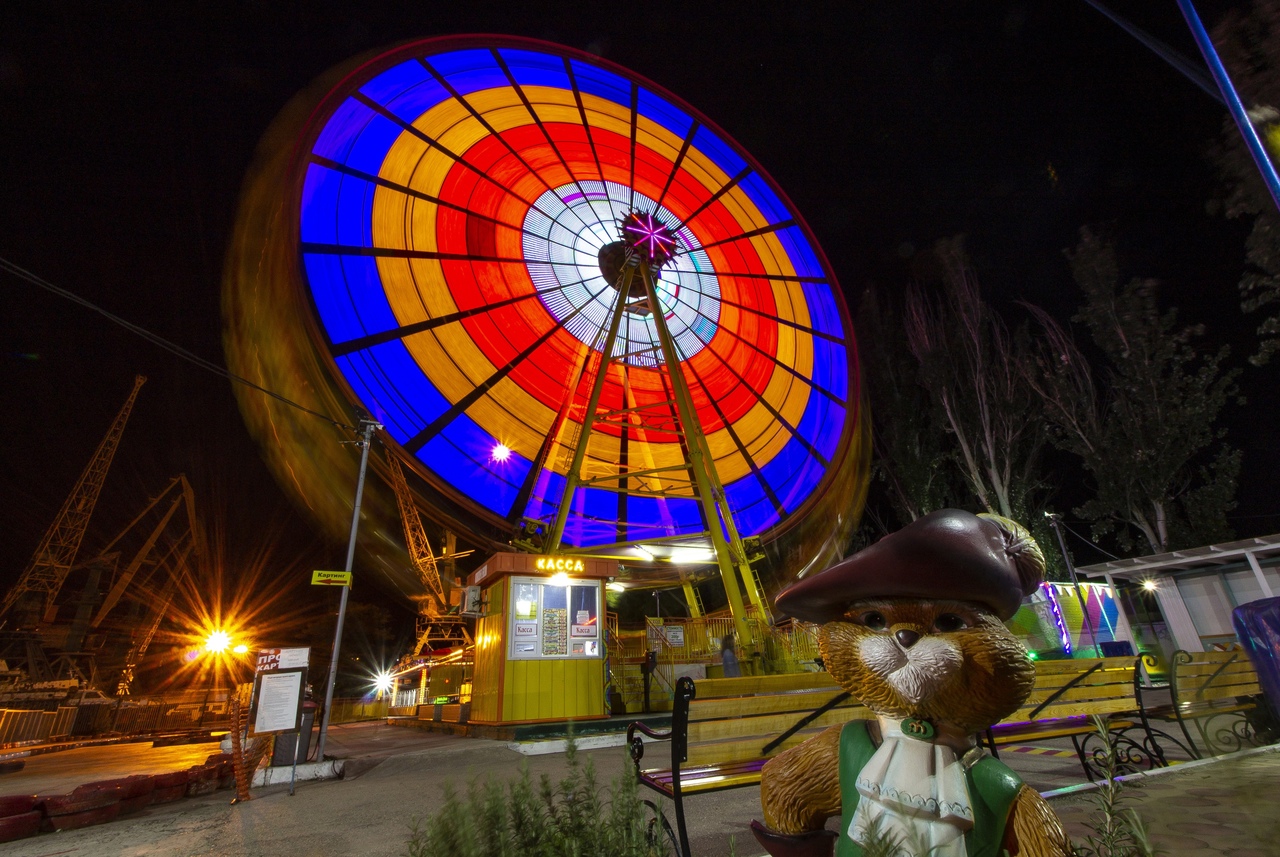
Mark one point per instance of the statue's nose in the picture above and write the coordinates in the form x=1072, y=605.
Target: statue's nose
x=906, y=637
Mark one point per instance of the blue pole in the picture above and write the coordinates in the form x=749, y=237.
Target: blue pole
x=1232, y=99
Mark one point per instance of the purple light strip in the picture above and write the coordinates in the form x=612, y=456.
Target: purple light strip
x=1056, y=609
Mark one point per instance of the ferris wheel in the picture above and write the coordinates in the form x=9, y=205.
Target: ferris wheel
x=581, y=310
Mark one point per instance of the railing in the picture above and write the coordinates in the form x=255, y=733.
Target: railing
x=96, y=717
x=357, y=709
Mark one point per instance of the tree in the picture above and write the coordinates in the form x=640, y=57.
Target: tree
x=969, y=364
x=1248, y=44
x=912, y=453
x=1149, y=437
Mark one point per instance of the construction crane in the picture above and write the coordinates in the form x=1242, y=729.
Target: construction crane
x=150, y=576
x=56, y=554
x=184, y=498
x=159, y=609
x=439, y=624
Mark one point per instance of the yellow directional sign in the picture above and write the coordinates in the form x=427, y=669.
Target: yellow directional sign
x=330, y=578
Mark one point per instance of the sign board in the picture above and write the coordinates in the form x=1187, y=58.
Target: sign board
x=283, y=659
x=672, y=635
x=277, y=701
x=330, y=578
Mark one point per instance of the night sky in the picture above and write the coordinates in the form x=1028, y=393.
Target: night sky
x=124, y=139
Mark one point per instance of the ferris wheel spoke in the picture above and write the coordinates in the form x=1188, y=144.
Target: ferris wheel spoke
x=755, y=347
x=409, y=128
x=711, y=200
x=742, y=450
x=348, y=170
x=537, y=121
x=402, y=253
x=791, y=323
x=679, y=161
x=582, y=113
x=476, y=393
x=635, y=124
x=341, y=349
x=479, y=117
x=763, y=230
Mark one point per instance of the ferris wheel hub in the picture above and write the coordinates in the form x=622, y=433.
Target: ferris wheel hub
x=615, y=258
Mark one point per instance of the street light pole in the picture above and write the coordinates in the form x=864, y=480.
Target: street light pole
x=367, y=428
x=1075, y=581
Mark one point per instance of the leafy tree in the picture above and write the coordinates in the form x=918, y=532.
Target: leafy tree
x=912, y=451
x=1162, y=476
x=969, y=363
x=1248, y=44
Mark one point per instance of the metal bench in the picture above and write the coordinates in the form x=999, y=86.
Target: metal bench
x=1066, y=697
x=723, y=730
x=1217, y=695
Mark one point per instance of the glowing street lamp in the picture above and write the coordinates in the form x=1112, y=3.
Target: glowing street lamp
x=217, y=642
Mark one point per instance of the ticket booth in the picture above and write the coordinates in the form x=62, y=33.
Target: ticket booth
x=540, y=647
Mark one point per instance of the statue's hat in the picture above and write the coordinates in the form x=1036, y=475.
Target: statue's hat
x=945, y=555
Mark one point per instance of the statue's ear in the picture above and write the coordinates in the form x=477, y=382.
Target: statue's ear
x=1021, y=547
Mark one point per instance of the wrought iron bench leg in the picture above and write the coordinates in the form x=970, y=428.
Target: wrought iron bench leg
x=660, y=818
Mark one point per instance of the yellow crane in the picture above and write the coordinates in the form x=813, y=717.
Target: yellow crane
x=57, y=551
x=438, y=621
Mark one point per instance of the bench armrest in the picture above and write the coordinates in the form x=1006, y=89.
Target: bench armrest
x=635, y=743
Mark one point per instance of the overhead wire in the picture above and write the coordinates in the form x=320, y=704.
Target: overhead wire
x=166, y=345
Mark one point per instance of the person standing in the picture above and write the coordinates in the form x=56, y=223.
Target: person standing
x=729, y=658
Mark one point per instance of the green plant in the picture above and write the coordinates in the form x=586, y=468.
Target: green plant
x=1118, y=830
x=543, y=819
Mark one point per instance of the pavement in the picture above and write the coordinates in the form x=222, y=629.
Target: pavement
x=395, y=774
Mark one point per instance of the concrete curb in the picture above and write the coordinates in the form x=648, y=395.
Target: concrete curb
x=329, y=769
x=1084, y=788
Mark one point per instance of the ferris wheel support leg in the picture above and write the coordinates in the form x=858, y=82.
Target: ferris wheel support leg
x=574, y=476
x=719, y=516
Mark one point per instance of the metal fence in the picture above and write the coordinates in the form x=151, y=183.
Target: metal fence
x=40, y=722
x=356, y=709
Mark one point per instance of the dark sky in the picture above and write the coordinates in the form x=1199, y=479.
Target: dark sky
x=124, y=137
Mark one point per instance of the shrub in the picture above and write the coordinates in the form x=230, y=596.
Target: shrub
x=1118, y=830
x=546, y=819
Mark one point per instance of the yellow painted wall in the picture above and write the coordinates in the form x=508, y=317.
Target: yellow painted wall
x=553, y=690
x=516, y=691
x=491, y=650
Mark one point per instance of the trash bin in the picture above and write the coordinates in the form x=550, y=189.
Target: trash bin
x=1257, y=625
x=282, y=753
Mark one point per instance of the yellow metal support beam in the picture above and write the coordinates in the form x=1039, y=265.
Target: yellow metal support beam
x=730, y=554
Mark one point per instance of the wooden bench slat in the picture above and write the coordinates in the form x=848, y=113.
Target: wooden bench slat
x=746, y=706
x=750, y=684
x=1063, y=728
x=1101, y=677
x=1216, y=691
x=1117, y=691
x=743, y=749
x=1076, y=708
x=769, y=725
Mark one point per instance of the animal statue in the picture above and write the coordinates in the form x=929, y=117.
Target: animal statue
x=913, y=628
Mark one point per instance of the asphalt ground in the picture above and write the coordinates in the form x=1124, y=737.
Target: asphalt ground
x=397, y=774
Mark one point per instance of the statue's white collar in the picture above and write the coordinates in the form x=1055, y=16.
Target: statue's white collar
x=915, y=792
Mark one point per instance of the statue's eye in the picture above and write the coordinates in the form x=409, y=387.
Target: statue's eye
x=874, y=620
x=948, y=622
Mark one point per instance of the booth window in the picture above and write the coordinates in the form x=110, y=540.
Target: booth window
x=549, y=621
